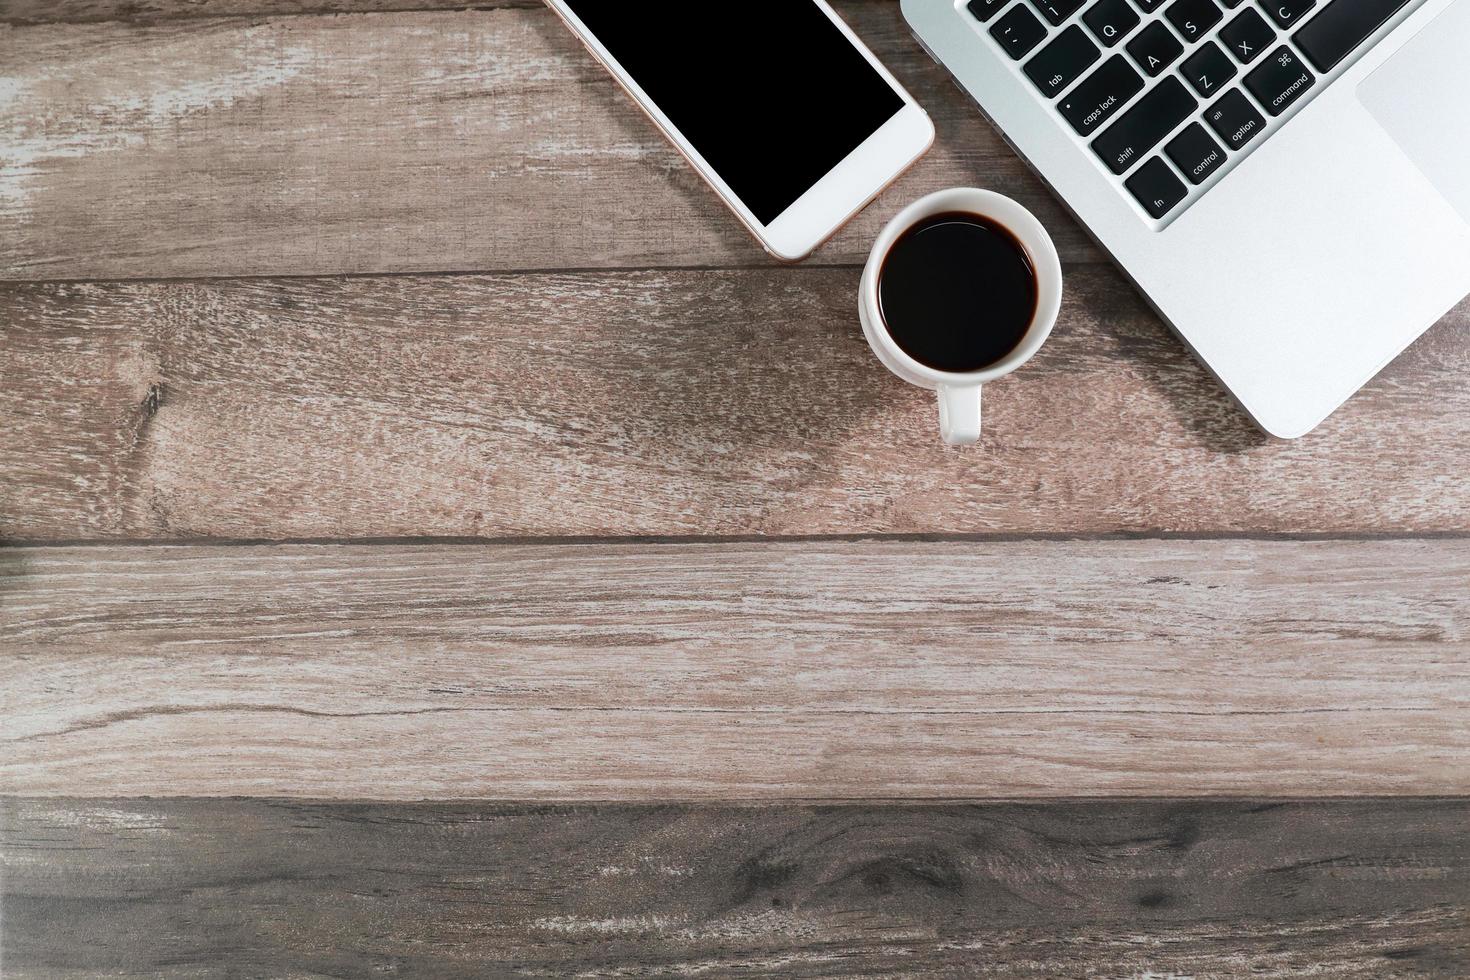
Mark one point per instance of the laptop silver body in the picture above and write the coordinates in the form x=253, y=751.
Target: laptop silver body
x=1317, y=252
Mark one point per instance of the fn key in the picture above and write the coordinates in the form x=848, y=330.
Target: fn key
x=1156, y=187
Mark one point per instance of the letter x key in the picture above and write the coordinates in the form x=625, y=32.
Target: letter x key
x=1247, y=36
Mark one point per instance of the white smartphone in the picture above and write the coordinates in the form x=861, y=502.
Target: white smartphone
x=775, y=102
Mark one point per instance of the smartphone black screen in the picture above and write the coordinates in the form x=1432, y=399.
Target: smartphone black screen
x=770, y=92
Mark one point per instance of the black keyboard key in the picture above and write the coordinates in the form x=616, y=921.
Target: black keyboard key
x=1341, y=26
x=1231, y=4
x=1155, y=48
x=1287, y=12
x=1208, y=69
x=1149, y=6
x=1247, y=36
x=1193, y=18
x=1018, y=32
x=1144, y=126
x=986, y=9
x=1235, y=120
x=1279, y=81
x=1195, y=154
x=1057, y=11
x=1111, y=20
x=1156, y=187
x=1100, y=95
x=1062, y=62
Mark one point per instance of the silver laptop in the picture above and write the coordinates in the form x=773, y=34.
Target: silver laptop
x=1287, y=181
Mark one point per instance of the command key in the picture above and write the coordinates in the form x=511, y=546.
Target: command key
x=1279, y=81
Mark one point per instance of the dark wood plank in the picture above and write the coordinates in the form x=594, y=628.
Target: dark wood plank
x=660, y=403
x=214, y=888
x=394, y=142
x=813, y=669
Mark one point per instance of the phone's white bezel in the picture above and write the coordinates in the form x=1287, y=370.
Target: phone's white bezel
x=841, y=193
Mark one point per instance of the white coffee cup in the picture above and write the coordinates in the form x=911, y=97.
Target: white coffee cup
x=959, y=393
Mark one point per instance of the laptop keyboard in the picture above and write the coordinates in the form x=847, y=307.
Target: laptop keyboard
x=1170, y=93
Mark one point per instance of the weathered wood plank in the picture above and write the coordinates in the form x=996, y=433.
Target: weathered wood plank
x=386, y=143
x=26, y=12
x=659, y=403
x=214, y=888
x=727, y=671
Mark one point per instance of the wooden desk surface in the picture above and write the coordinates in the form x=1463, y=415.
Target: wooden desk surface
x=438, y=540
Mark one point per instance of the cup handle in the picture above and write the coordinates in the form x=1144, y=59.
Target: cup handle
x=959, y=414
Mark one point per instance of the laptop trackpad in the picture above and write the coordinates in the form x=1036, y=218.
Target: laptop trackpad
x=1421, y=96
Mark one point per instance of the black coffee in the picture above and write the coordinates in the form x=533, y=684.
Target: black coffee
x=957, y=292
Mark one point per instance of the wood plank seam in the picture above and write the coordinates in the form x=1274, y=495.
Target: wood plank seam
x=977, y=537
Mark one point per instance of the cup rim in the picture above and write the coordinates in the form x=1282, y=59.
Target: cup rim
x=1033, y=237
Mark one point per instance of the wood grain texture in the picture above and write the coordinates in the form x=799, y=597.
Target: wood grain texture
x=28, y=12
x=474, y=140
x=213, y=888
x=727, y=671
x=673, y=402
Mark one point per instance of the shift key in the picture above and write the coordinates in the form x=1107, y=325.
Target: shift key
x=1101, y=94
x=1142, y=127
